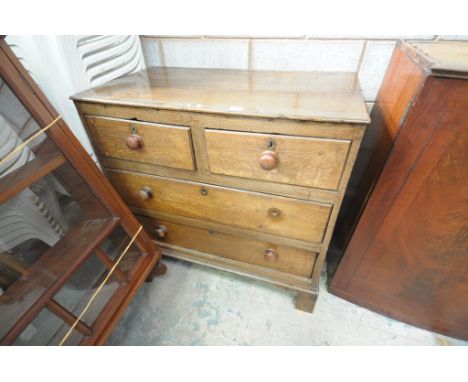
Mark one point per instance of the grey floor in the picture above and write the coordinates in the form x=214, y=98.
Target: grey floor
x=195, y=305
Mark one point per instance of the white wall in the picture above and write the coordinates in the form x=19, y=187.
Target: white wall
x=366, y=55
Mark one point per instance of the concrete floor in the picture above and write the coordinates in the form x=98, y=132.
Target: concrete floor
x=195, y=305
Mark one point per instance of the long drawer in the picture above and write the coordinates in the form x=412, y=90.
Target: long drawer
x=297, y=219
x=304, y=161
x=280, y=258
x=162, y=145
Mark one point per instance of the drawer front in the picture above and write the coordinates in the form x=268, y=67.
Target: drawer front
x=275, y=215
x=280, y=258
x=162, y=145
x=311, y=162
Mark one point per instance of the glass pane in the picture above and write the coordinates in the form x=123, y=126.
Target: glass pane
x=16, y=125
x=78, y=291
x=50, y=222
x=49, y=217
x=44, y=330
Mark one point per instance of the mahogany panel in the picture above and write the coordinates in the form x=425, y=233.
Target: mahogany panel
x=400, y=88
x=408, y=255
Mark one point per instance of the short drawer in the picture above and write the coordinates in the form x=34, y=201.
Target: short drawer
x=304, y=161
x=162, y=145
x=297, y=219
x=280, y=258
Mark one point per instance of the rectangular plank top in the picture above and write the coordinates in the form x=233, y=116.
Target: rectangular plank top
x=442, y=58
x=313, y=96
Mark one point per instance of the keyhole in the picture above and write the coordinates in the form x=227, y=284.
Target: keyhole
x=274, y=213
x=271, y=144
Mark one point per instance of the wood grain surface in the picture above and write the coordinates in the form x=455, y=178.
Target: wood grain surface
x=319, y=96
x=288, y=195
x=163, y=145
x=297, y=219
x=247, y=250
x=312, y=162
x=408, y=256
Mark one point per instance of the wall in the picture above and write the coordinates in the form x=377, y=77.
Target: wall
x=366, y=55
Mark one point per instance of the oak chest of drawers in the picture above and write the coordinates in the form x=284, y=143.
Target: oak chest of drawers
x=240, y=170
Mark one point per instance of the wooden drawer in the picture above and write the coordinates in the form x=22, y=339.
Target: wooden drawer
x=280, y=258
x=162, y=145
x=304, y=161
x=297, y=219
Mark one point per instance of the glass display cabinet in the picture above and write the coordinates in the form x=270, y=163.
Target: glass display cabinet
x=71, y=253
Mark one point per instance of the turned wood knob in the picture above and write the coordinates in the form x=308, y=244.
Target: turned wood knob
x=134, y=142
x=271, y=255
x=145, y=193
x=160, y=231
x=268, y=160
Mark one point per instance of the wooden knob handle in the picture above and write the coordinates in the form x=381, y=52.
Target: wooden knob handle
x=145, y=193
x=271, y=255
x=268, y=160
x=134, y=142
x=161, y=231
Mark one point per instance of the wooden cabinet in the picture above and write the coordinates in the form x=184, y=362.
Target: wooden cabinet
x=408, y=256
x=72, y=254
x=240, y=170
